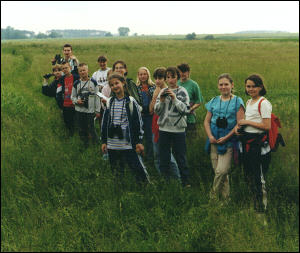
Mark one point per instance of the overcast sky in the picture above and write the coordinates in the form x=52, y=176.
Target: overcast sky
x=152, y=17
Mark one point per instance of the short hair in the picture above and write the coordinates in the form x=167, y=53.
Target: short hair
x=184, y=67
x=258, y=81
x=102, y=58
x=124, y=65
x=227, y=76
x=67, y=45
x=56, y=67
x=65, y=62
x=173, y=71
x=83, y=65
x=159, y=73
x=149, y=81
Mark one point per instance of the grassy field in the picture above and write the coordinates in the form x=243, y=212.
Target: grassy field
x=56, y=198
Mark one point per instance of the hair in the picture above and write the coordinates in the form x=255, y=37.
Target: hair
x=67, y=45
x=184, y=67
x=159, y=73
x=102, y=58
x=258, y=81
x=83, y=65
x=149, y=81
x=65, y=62
x=173, y=71
x=121, y=78
x=56, y=66
x=121, y=62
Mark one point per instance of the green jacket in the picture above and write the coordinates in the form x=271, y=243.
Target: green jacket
x=133, y=90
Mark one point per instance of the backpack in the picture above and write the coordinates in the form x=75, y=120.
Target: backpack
x=274, y=137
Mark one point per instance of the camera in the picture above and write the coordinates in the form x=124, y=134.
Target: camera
x=241, y=130
x=57, y=59
x=47, y=76
x=84, y=98
x=115, y=130
x=165, y=93
x=222, y=122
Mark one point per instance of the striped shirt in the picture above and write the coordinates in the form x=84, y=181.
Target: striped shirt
x=119, y=117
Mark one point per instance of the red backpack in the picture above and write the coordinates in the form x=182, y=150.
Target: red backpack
x=274, y=137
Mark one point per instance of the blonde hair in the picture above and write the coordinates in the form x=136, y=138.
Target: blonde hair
x=149, y=81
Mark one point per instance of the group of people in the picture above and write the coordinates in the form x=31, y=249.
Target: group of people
x=161, y=114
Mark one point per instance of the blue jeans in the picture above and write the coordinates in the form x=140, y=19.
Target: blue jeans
x=173, y=163
x=173, y=141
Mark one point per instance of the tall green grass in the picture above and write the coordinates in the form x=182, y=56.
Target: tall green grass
x=56, y=198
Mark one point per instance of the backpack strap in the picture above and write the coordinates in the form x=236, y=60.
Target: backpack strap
x=259, y=105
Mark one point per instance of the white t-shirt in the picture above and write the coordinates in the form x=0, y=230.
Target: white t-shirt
x=101, y=77
x=252, y=113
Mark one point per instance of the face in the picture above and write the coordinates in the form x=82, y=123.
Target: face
x=119, y=68
x=57, y=73
x=67, y=52
x=184, y=76
x=66, y=69
x=225, y=86
x=171, y=81
x=103, y=65
x=159, y=82
x=252, y=90
x=143, y=76
x=83, y=72
x=116, y=86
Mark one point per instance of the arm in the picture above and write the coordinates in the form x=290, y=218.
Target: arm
x=264, y=125
x=155, y=95
x=207, y=127
x=159, y=105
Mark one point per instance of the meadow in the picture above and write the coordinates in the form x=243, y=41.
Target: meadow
x=56, y=198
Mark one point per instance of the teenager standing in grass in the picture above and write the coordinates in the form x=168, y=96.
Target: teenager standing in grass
x=122, y=130
x=121, y=68
x=172, y=106
x=50, y=90
x=86, y=104
x=146, y=88
x=160, y=82
x=253, y=134
x=222, y=115
x=195, y=96
x=63, y=96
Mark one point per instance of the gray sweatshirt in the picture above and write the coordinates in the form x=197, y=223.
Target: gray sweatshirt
x=172, y=114
x=90, y=88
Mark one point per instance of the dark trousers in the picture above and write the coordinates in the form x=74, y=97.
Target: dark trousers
x=147, y=126
x=176, y=142
x=119, y=158
x=86, y=127
x=254, y=163
x=69, y=118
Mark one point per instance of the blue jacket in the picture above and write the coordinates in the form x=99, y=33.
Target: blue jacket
x=135, y=123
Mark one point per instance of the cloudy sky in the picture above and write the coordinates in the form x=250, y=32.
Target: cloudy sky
x=152, y=17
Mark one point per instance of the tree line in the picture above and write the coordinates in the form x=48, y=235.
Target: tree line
x=11, y=33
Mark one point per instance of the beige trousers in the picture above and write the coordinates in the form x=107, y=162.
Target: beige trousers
x=221, y=165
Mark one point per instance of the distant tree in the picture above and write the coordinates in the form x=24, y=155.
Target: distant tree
x=108, y=34
x=209, y=37
x=41, y=36
x=10, y=33
x=53, y=34
x=123, y=31
x=191, y=36
x=135, y=34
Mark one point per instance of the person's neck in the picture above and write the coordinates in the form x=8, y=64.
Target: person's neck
x=144, y=83
x=254, y=99
x=84, y=78
x=68, y=74
x=103, y=69
x=120, y=95
x=226, y=96
x=185, y=80
x=173, y=86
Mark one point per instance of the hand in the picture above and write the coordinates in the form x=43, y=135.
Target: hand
x=104, y=148
x=139, y=148
x=221, y=140
x=236, y=128
x=98, y=115
x=171, y=94
x=212, y=140
x=103, y=100
x=79, y=101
